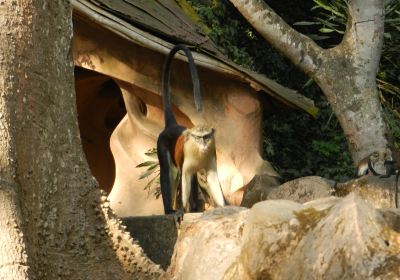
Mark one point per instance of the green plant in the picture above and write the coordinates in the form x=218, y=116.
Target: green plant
x=152, y=173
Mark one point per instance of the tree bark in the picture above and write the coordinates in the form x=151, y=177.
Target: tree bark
x=54, y=221
x=346, y=73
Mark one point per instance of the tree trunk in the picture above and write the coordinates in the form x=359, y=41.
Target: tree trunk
x=346, y=74
x=54, y=223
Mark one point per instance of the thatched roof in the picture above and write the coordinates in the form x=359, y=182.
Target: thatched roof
x=160, y=24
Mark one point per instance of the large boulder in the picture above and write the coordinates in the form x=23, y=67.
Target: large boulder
x=300, y=190
x=380, y=192
x=208, y=246
x=328, y=238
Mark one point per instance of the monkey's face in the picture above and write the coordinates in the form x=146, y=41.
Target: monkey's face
x=202, y=141
x=203, y=137
x=374, y=157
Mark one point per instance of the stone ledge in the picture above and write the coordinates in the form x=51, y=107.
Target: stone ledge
x=156, y=234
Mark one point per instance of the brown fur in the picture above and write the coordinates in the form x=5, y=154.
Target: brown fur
x=178, y=151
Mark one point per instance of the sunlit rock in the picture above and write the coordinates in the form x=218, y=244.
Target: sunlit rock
x=209, y=245
x=329, y=238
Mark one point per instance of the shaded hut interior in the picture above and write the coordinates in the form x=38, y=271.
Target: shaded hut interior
x=100, y=108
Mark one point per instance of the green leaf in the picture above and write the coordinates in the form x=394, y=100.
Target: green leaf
x=326, y=30
x=150, y=183
x=387, y=35
x=147, y=173
x=306, y=23
x=327, y=7
x=154, y=166
x=308, y=83
x=147, y=163
x=151, y=153
x=318, y=37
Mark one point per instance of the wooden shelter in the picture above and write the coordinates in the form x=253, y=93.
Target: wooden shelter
x=119, y=47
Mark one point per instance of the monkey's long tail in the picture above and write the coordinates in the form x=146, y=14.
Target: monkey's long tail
x=169, y=116
x=396, y=189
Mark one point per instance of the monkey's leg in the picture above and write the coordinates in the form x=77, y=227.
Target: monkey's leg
x=186, y=187
x=174, y=175
x=196, y=205
x=185, y=193
x=164, y=159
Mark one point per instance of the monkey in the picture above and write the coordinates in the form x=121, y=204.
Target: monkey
x=188, y=150
x=392, y=167
x=366, y=165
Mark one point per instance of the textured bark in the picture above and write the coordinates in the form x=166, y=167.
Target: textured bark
x=346, y=74
x=54, y=223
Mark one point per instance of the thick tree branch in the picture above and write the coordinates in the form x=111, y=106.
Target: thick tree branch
x=346, y=73
x=300, y=49
x=365, y=35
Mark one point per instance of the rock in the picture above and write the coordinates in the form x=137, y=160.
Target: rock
x=155, y=234
x=336, y=239
x=392, y=217
x=208, y=246
x=328, y=238
x=258, y=189
x=380, y=192
x=303, y=189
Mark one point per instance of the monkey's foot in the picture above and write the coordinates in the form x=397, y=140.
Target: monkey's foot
x=178, y=217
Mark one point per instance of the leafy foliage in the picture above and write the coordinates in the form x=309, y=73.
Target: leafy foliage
x=239, y=41
x=152, y=173
x=389, y=74
x=303, y=146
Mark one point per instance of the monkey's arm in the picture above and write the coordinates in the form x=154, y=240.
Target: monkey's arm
x=186, y=187
x=214, y=186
